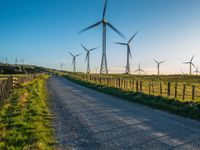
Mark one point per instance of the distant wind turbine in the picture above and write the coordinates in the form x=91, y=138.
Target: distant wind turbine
x=190, y=63
x=61, y=66
x=74, y=60
x=6, y=60
x=16, y=61
x=105, y=23
x=158, y=65
x=127, y=71
x=197, y=70
x=87, y=58
x=139, y=70
x=96, y=69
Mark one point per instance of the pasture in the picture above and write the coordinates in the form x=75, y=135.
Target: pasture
x=174, y=93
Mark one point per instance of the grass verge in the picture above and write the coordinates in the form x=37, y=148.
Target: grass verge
x=186, y=109
x=25, y=121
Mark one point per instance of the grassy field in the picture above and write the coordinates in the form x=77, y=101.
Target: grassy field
x=25, y=121
x=155, y=81
x=187, y=107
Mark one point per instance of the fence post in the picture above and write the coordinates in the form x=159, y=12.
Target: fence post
x=193, y=92
x=149, y=87
x=140, y=86
x=152, y=85
x=183, y=91
x=168, y=89
x=136, y=86
x=175, y=92
x=132, y=85
x=160, y=88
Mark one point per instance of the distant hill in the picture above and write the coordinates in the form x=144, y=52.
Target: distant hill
x=21, y=69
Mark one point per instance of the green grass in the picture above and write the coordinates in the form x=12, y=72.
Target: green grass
x=189, y=109
x=25, y=121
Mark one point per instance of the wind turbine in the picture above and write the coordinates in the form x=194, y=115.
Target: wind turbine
x=6, y=60
x=87, y=58
x=197, y=70
x=16, y=61
x=61, y=66
x=158, y=65
x=105, y=23
x=74, y=60
x=139, y=70
x=96, y=69
x=190, y=63
x=127, y=71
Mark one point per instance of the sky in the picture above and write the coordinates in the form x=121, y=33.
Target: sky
x=43, y=31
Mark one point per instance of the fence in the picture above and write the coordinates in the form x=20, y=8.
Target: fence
x=7, y=85
x=175, y=90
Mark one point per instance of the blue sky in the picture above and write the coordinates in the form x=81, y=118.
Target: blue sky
x=42, y=32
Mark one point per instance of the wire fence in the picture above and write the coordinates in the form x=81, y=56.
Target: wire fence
x=175, y=90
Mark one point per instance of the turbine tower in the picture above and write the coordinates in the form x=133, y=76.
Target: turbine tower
x=158, y=65
x=190, y=63
x=74, y=60
x=127, y=71
x=139, y=70
x=105, y=23
x=87, y=58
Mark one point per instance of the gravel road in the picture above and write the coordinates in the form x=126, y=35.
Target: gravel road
x=87, y=119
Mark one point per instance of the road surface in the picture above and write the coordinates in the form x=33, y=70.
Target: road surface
x=87, y=119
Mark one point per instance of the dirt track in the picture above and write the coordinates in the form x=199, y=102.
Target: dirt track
x=87, y=119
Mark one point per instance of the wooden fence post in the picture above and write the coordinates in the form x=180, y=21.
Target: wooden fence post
x=152, y=85
x=193, y=92
x=149, y=87
x=175, y=92
x=132, y=85
x=136, y=86
x=183, y=91
x=168, y=89
x=140, y=86
x=160, y=88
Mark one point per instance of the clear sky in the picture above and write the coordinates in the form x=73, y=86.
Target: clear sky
x=42, y=32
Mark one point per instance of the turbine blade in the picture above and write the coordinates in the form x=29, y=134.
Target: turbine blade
x=117, y=31
x=133, y=36
x=155, y=61
x=162, y=62
x=104, y=10
x=192, y=64
x=93, y=49
x=84, y=47
x=92, y=26
x=71, y=54
x=120, y=43
x=136, y=70
x=192, y=58
x=77, y=55
x=186, y=62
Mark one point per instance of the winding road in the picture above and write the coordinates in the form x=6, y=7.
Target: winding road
x=87, y=119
